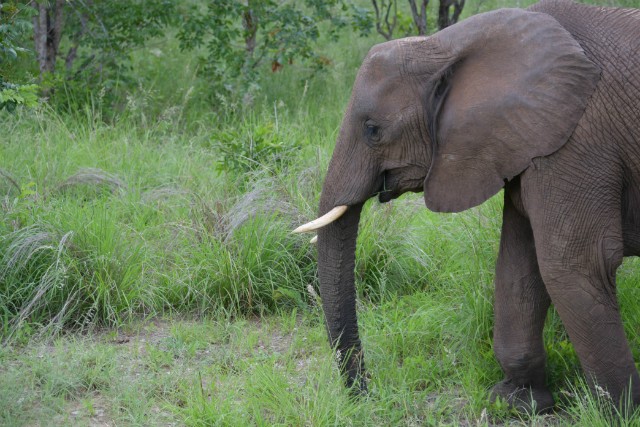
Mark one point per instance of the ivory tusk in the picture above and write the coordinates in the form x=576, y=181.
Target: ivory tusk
x=325, y=219
x=314, y=239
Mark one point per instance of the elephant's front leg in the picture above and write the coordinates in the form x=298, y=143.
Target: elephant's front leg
x=521, y=304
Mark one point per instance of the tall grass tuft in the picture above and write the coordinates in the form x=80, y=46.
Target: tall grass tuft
x=93, y=177
x=597, y=409
x=34, y=276
x=244, y=258
x=76, y=270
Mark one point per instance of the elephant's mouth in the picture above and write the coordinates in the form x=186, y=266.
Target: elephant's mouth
x=385, y=196
x=394, y=186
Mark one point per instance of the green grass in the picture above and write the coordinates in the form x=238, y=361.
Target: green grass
x=429, y=365
x=142, y=285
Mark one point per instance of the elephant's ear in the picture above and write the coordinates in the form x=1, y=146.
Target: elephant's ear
x=515, y=86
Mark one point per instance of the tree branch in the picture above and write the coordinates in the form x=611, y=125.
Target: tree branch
x=445, y=17
x=390, y=26
x=73, y=50
x=420, y=19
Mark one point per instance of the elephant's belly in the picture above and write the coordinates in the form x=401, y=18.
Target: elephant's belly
x=631, y=221
x=631, y=241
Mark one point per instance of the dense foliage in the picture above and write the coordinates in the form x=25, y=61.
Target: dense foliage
x=239, y=36
x=13, y=28
x=84, y=52
x=87, y=47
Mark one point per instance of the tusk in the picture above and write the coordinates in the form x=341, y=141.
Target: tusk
x=325, y=219
x=314, y=239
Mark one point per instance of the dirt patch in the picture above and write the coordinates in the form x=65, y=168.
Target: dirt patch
x=92, y=411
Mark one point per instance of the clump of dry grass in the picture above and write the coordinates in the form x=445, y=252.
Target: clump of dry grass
x=164, y=193
x=267, y=197
x=93, y=177
x=33, y=271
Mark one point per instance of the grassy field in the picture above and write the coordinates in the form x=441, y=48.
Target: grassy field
x=140, y=284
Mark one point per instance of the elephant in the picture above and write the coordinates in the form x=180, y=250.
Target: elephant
x=543, y=103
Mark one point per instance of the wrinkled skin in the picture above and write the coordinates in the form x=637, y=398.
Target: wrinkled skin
x=544, y=103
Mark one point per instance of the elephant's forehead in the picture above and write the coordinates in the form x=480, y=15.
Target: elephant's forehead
x=382, y=95
x=381, y=61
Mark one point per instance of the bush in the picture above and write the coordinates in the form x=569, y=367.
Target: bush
x=248, y=148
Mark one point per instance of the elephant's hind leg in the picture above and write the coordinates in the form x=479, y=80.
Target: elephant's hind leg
x=521, y=304
x=585, y=298
x=579, y=242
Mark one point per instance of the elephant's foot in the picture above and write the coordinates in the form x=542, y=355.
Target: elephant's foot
x=524, y=399
x=355, y=374
x=357, y=385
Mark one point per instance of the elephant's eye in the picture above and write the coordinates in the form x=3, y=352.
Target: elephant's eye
x=372, y=132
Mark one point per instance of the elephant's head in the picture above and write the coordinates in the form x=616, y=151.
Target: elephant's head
x=455, y=115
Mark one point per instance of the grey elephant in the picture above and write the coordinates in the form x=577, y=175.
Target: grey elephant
x=543, y=102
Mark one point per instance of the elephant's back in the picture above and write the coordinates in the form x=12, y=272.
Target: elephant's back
x=609, y=36
x=598, y=29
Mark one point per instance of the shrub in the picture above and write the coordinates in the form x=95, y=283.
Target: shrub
x=248, y=148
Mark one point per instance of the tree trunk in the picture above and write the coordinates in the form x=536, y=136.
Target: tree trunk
x=250, y=25
x=420, y=18
x=47, y=31
x=75, y=39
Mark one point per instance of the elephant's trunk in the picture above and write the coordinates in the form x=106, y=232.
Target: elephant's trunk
x=336, y=262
